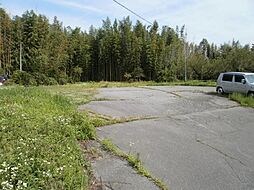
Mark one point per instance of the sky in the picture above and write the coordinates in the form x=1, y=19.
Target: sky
x=219, y=21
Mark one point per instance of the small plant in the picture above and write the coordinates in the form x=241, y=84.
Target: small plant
x=127, y=77
x=134, y=161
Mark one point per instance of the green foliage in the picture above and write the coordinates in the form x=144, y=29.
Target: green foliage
x=1, y=71
x=138, y=74
x=24, y=78
x=62, y=81
x=77, y=93
x=42, y=79
x=51, y=81
x=242, y=99
x=38, y=141
x=127, y=76
x=109, y=52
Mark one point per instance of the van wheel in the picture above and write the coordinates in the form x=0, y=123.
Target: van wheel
x=220, y=90
x=251, y=94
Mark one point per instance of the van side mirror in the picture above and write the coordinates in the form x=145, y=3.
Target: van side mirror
x=243, y=81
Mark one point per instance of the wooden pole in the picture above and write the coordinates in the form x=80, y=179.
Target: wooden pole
x=20, y=57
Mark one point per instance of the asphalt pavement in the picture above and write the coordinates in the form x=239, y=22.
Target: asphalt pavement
x=195, y=141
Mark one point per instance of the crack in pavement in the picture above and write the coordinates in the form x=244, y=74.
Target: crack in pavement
x=234, y=172
x=107, y=99
x=109, y=184
x=173, y=93
x=172, y=116
x=219, y=151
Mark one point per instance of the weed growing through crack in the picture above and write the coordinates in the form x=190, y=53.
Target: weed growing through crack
x=134, y=161
x=100, y=120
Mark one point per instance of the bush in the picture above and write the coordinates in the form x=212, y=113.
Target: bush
x=62, y=81
x=127, y=77
x=42, y=79
x=1, y=71
x=23, y=78
x=51, y=81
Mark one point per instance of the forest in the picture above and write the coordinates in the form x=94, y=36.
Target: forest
x=34, y=51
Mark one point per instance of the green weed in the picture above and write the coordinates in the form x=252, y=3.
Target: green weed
x=38, y=141
x=100, y=120
x=78, y=94
x=133, y=161
x=242, y=99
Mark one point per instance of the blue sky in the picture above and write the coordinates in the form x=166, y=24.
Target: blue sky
x=218, y=21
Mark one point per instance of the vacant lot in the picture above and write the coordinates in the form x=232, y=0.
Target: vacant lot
x=197, y=140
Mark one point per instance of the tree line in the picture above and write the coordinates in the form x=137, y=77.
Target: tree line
x=117, y=51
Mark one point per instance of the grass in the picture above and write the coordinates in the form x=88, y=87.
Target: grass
x=38, y=141
x=100, y=120
x=188, y=83
x=242, y=99
x=78, y=94
x=133, y=161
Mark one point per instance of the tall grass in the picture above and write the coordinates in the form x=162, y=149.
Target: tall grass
x=38, y=141
x=105, y=84
x=242, y=99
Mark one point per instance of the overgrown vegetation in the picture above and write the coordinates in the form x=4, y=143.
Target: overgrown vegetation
x=242, y=99
x=134, y=161
x=38, y=141
x=116, y=51
x=101, y=120
x=77, y=93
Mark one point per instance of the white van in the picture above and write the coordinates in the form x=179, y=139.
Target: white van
x=235, y=82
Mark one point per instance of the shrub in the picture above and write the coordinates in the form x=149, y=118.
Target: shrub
x=23, y=78
x=127, y=77
x=62, y=81
x=51, y=81
x=44, y=80
x=40, y=78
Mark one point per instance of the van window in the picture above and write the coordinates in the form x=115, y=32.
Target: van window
x=227, y=77
x=238, y=78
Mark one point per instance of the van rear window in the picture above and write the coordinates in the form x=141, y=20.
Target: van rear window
x=227, y=77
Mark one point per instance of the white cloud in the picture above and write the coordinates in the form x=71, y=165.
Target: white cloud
x=218, y=21
x=76, y=5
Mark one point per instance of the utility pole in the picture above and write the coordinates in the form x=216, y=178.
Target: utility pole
x=185, y=56
x=20, y=56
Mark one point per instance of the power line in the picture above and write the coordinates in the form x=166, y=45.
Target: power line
x=133, y=12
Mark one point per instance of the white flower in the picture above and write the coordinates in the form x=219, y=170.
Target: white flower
x=14, y=168
x=4, y=164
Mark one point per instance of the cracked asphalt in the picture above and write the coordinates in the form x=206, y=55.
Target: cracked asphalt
x=198, y=140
